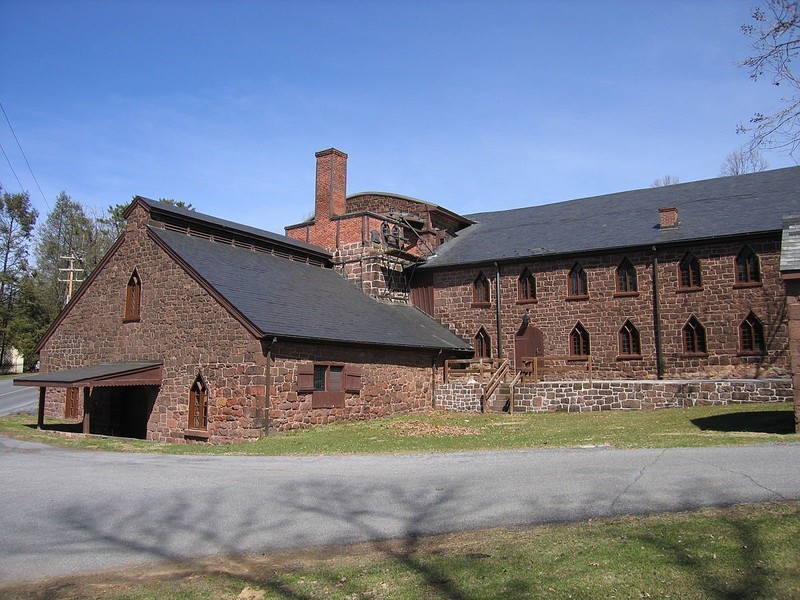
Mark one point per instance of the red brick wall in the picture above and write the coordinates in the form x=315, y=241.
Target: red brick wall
x=181, y=325
x=720, y=305
x=393, y=382
x=793, y=302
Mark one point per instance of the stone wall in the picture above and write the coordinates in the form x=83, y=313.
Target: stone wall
x=393, y=382
x=181, y=325
x=720, y=305
x=581, y=396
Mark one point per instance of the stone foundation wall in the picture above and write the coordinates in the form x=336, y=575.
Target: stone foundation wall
x=580, y=396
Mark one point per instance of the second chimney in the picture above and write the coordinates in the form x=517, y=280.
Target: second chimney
x=668, y=217
x=331, y=189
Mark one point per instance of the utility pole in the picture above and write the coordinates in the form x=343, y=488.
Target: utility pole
x=71, y=280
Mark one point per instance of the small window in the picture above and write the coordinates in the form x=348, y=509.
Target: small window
x=480, y=290
x=71, y=407
x=483, y=344
x=198, y=405
x=577, y=285
x=626, y=278
x=328, y=383
x=579, y=341
x=748, y=267
x=689, y=272
x=629, y=344
x=133, y=298
x=526, y=287
x=751, y=336
x=694, y=337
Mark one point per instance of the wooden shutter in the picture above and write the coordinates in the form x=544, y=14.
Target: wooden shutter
x=352, y=379
x=305, y=377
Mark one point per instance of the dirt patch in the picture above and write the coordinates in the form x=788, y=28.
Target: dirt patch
x=422, y=428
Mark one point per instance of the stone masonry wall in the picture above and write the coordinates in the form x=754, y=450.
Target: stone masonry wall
x=581, y=396
x=180, y=325
x=720, y=305
x=393, y=382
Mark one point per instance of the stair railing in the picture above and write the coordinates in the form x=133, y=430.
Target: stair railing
x=494, y=382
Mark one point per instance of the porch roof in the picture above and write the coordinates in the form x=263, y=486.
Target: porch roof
x=100, y=375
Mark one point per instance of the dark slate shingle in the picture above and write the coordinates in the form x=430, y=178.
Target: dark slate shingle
x=286, y=298
x=725, y=206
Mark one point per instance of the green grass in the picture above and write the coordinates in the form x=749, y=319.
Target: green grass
x=741, y=552
x=447, y=432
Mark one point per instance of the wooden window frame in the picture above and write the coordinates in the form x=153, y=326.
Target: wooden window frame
x=626, y=279
x=577, y=283
x=630, y=340
x=133, y=299
x=751, y=336
x=323, y=394
x=694, y=339
x=526, y=287
x=481, y=291
x=482, y=343
x=198, y=401
x=71, y=401
x=690, y=277
x=579, y=342
x=747, y=268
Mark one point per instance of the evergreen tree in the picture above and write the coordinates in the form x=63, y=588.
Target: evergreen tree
x=17, y=220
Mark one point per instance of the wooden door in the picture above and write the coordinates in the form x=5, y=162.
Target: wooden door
x=527, y=343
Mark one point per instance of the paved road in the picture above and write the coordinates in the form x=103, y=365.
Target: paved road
x=67, y=512
x=15, y=399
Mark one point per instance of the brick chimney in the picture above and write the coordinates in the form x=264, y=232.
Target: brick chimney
x=668, y=217
x=331, y=184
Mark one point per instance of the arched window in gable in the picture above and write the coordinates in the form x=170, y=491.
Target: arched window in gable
x=579, y=341
x=694, y=337
x=751, y=336
x=133, y=298
x=689, y=272
x=480, y=290
x=577, y=283
x=483, y=344
x=526, y=287
x=629, y=344
x=626, y=278
x=748, y=266
x=198, y=404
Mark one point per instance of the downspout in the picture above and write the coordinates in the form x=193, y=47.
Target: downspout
x=657, y=318
x=497, y=311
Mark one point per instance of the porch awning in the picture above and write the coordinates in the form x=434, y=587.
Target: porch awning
x=101, y=375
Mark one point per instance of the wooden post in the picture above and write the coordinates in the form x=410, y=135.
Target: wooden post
x=446, y=370
x=40, y=418
x=86, y=415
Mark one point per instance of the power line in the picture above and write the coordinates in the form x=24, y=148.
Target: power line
x=10, y=166
x=23, y=156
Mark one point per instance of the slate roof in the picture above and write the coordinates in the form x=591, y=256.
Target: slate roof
x=292, y=299
x=726, y=206
x=790, y=244
x=94, y=373
x=232, y=227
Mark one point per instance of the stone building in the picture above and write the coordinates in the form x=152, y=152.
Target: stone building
x=194, y=328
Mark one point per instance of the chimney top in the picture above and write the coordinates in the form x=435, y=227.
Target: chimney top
x=667, y=217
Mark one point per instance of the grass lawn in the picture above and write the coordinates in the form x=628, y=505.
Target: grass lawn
x=741, y=552
x=445, y=432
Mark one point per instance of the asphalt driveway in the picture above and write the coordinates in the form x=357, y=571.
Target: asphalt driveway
x=68, y=512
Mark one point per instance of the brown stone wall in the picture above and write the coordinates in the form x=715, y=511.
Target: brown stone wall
x=393, y=382
x=793, y=306
x=181, y=325
x=720, y=305
x=580, y=396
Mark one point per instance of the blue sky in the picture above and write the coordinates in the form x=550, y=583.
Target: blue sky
x=471, y=105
